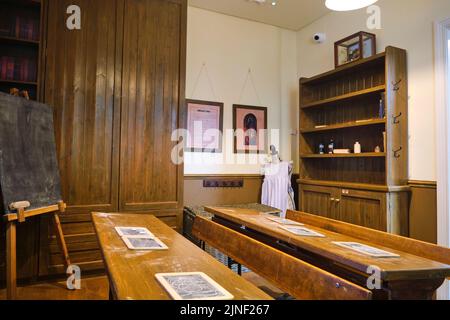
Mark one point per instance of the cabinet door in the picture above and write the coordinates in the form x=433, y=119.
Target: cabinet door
x=81, y=84
x=364, y=208
x=152, y=104
x=318, y=200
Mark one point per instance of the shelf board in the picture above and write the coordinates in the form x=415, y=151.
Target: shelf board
x=346, y=125
x=355, y=185
x=14, y=40
x=344, y=97
x=350, y=67
x=349, y=155
x=28, y=83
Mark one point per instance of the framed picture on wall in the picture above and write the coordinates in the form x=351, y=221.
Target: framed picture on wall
x=205, y=126
x=250, y=128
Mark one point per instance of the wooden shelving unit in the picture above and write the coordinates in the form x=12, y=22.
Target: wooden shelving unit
x=349, y=155
x=20, y=45
x=343, y=105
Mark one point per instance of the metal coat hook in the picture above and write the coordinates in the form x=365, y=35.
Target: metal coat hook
x=396, y=121
x=396, y=152
x=396, y=85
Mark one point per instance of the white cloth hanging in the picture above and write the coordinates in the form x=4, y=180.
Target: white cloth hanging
x=275, y=190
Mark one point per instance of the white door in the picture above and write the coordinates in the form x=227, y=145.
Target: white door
x=442, y=70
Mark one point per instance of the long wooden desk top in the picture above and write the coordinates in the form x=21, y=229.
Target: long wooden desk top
x=132, y=273
x=406, y=267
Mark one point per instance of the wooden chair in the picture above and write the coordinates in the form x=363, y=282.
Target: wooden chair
x=296, y=277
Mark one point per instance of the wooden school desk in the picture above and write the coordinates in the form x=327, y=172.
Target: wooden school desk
x=417, y=274
x=131, y=273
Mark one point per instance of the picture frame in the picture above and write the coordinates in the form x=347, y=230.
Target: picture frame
x=302, y=231
x=144, y=243
x=210, y=114
x=248, y=121
x=134, y=231
x=192, y=286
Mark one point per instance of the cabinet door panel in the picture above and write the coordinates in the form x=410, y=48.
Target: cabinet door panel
x=80, y=86
x=363, y=208
x=153, y=87
x=318, y=200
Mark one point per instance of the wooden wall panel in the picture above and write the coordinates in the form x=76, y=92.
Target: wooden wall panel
x=196, y=194
x=82, y=77
x=152, y=104
x=423, y=211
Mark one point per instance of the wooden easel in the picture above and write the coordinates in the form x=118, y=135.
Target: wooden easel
x=11, y=220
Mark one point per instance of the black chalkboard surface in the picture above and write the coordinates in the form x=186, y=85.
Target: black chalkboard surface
x=28, y=163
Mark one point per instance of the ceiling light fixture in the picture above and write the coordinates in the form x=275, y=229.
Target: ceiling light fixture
x=348, y=5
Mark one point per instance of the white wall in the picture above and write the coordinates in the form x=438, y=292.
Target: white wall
x=229, y=47
x=406, y=24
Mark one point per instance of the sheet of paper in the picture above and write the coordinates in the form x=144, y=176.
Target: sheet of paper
x=192, y=286
x=134, y=231
x=285, y=222
x=367, y=250
x=302, y=231
x=144, y=243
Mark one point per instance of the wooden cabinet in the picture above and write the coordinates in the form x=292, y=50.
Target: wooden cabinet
x=380, y=210
x=117, y=89
x=152, y=95
x=318, y=200
x=363, y=208
x=367, y=102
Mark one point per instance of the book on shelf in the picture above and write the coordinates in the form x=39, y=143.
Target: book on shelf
x=18, y=69
x=27, y=28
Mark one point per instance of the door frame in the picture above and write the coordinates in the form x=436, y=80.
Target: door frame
x=442, y=74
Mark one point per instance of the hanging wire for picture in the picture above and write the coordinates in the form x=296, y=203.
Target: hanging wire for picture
x=204, y=69
x=247, y=79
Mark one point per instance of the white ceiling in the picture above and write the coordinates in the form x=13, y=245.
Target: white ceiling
x=288, y=14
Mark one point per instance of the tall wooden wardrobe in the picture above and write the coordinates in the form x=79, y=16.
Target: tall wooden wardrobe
x=117, y=89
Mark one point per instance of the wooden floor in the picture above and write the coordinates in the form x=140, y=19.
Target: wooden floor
x=97, y=288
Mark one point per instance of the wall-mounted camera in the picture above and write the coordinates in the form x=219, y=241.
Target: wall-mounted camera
x=319, y=37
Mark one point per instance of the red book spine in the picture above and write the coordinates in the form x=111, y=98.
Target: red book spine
x=17, y=31
x=4, y=67
x=30, y=29
x=26, y=70
x=10, y=69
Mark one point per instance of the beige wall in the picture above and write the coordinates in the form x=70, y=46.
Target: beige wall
x=229, y=47
x=406, y=24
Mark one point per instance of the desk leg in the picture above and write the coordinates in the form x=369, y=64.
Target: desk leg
x=413, y=290
x=11, y=263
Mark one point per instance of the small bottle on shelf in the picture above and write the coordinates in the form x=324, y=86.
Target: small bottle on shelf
x=321, y=148
x=331, y=147
x=357, y=148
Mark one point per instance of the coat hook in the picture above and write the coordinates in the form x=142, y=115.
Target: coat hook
x=396, y=85
x=396, y=152
x=396, y=121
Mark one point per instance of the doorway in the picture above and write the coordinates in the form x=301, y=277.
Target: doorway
x=442, y=71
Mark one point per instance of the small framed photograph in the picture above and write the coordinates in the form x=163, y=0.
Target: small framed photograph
x=285, y=222
x=302, y=231
x=367, y=250
x=134, y=231
x=250, y=128
x=144, y=243
x=205, y=126
x=192, y=286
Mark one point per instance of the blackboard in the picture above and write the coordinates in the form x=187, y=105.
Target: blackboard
x=28, y=162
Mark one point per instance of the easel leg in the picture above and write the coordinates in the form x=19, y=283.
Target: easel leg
x=11, y=264
x=60, y=239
